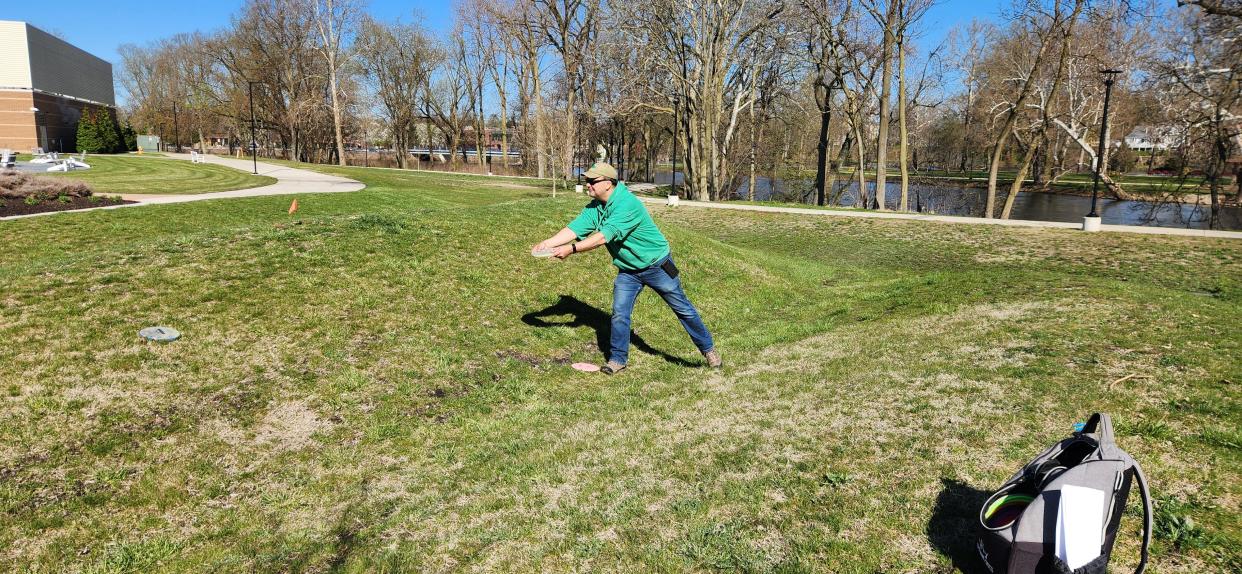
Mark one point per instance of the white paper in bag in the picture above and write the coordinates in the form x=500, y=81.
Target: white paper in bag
x=1080, y=525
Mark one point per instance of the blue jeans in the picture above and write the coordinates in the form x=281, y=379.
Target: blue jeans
x=625, y=290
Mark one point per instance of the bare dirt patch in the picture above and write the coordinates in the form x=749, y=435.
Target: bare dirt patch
x=289, y=426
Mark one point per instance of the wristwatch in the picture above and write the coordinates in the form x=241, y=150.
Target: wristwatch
x=574, y=246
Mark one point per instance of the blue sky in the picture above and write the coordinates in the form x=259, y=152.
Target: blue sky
x=99, y=31
x=100, y=27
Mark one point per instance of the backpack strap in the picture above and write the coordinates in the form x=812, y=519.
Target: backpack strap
x=1101, y=425
x=1143, y=490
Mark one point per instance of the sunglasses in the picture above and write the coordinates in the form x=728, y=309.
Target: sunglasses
x=594, y=181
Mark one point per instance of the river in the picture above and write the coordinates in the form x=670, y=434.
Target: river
x=969, y=201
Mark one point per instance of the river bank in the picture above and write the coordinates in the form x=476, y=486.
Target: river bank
x=938, y=195
x=1161, y=191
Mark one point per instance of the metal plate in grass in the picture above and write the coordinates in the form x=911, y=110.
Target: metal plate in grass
x=160, y=334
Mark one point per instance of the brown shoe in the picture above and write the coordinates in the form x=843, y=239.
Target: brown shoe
x=611, y=368
x=713, y=359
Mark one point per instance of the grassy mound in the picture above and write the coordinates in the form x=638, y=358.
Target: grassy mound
x=384, y=387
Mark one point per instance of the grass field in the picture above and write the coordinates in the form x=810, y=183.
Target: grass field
x=121, y=174
x=385, y=387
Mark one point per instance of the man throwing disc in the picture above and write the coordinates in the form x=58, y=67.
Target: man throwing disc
x=620, y=222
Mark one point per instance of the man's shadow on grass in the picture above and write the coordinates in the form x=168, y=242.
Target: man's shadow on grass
x=585, y=315
x=954, y=525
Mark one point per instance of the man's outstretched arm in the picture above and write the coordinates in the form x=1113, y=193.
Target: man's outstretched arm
x=562, y=237
x=591, y=242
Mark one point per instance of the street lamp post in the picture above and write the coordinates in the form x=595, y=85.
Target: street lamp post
x=39, y=140
x=1092, y=221
x=254, y=143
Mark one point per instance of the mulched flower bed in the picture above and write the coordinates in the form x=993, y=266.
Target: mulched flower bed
x=24, y=194
x=20, y=207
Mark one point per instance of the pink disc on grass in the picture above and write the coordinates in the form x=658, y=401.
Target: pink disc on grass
x=586, y=367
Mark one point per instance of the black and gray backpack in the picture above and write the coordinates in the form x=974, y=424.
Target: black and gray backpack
x=1021, y=521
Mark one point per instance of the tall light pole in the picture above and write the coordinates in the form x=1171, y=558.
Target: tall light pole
x=254, y=143
x=1092, y=221
x=39, y=140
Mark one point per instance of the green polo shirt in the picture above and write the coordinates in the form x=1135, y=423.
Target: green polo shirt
x=632, y=237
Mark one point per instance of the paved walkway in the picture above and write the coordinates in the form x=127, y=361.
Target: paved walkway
x=1151, y=230
x=289, y=180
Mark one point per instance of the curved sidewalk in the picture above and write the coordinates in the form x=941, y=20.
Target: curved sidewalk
x=289, y=180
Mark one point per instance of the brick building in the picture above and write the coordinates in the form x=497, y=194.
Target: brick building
x=45, y=83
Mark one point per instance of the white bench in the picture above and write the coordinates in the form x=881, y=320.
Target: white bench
x=70, y=163
x=52, y=157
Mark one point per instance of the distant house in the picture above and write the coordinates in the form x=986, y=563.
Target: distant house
x=1148, y=138
x=45, y=83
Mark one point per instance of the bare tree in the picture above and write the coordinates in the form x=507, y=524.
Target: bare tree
x=569, y=26
x=1043, y=25
x=970, y=45
x=908, y=13
x=886, y=15
x=448, y=105
x=398, y=60
x=1200, y=79
x=825, y=42
x=1032, y=147
x=704, y=46
x=335, y=21
x=518, y=23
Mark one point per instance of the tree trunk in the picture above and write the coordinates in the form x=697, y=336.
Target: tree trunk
x=647, y=151
x=1217, y=168
x=860, y=199
x=567, y=156
x=836, y=169
x=336, y=112
x=480, y=130
x=1016, y=186
x=541, y=143
x=903, y=154
x=821, y=150
x=754, y=143
x=966, y=131
x=886, y=80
